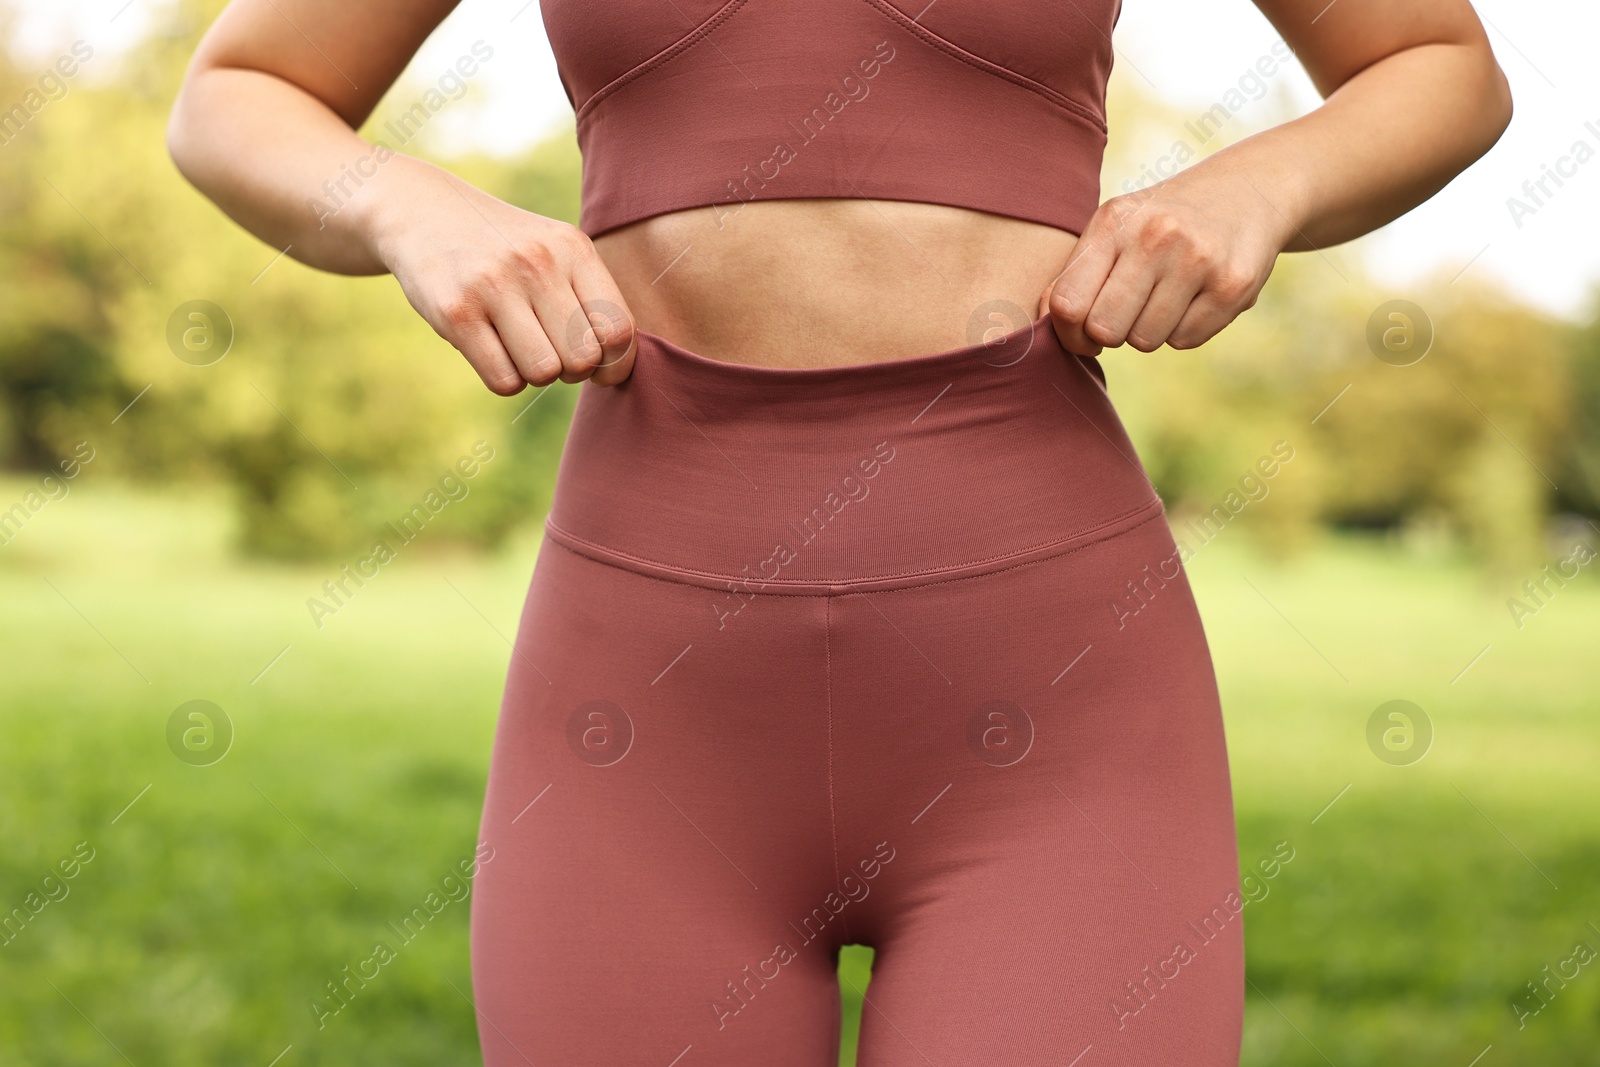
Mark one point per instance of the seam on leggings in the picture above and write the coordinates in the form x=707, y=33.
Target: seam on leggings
x=602, y=561
x=1102, y=531
x=833, y=818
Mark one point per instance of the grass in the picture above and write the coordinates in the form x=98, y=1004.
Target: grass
x=1417, y=906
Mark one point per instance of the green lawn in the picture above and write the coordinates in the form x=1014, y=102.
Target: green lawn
x=1417, y=906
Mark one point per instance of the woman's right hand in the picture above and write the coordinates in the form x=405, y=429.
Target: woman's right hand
x=265, y=125
x=526, y=299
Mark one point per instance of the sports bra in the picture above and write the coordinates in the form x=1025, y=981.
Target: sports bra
x=996, y=105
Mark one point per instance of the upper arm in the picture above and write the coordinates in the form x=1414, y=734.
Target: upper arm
x=1337, y=39
x=346, y=54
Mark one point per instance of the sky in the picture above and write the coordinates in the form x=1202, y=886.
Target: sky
x=1188, y=52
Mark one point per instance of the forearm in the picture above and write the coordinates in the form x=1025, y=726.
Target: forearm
x=286, y=167
x=1386, y=140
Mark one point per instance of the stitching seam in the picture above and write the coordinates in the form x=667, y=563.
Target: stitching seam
x=988, y=66
x=1092, y=534
x=833, y=819
x=890, y=12
x=682, y=44
x=876, y=592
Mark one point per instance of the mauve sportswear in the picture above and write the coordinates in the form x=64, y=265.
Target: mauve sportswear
x=996, y=105
x=897, y=653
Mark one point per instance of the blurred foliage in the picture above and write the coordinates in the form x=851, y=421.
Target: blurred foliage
x=1403, y=932
x=1472, y=439
x=1580, y=455
x=337, y=407
x=208, y=922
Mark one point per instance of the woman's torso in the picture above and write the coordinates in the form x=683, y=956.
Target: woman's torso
x=826, y=282
x=835, y=181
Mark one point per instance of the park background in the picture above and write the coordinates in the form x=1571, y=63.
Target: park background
x=209, y=500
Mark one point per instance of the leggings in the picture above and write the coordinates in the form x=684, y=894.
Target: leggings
x=899, y=654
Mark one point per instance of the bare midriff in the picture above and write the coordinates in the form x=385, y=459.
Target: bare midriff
x=830, y=282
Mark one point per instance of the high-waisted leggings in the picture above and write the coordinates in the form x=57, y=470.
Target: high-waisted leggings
x=897, y=654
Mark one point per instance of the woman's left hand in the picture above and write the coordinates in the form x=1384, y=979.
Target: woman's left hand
x=1172, y=264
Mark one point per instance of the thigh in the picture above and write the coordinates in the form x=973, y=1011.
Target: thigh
x=657, y=810
x=1043, y=751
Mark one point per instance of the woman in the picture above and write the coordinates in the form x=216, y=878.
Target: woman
x=857, y=620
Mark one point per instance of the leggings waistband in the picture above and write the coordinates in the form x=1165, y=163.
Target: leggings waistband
x=823, y=481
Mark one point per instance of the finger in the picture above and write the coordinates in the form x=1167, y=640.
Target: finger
x=470, y=332
x=1121, y=299
x=1227, y=292
x=556, y=307
x=524, y=338
x=1162, y=312
x=604, y=322
x=617, y=366
x=1202, y=320
x=1068, y=312
x=1073, y=292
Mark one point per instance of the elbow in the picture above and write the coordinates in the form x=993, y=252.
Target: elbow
x=185, y=135
x=177, y=145
x=1496, y=108
x=1488, y=114
x=1500, y=107
x=179, y=133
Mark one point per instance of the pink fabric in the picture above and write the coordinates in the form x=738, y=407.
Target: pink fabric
x=995, y=106
x=969, y=720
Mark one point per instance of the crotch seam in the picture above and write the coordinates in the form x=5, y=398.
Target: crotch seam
x=833, y=818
